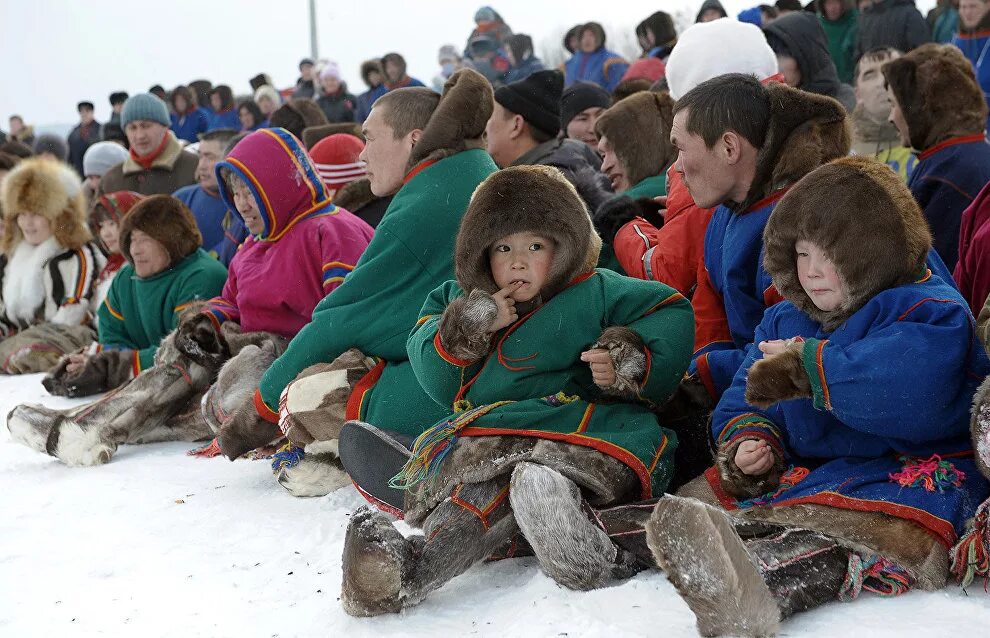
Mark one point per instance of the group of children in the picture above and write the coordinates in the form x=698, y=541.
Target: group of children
x=471, y=370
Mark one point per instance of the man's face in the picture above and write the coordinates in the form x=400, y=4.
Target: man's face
x=703, y=170
x=612, y=167
x=306, y=71
x=588, y=41
x=832, y=9
x=498, y=133
x=210, y=152
x=16, y=124
x=247, y=206
x=385, y=155
x=144, y=136
x=117, y=108
x=582, y=127
x=85, y=115
x=972, y=11
x=871, y=91
x=897, y=118
x=149, y=255
x=393, y=71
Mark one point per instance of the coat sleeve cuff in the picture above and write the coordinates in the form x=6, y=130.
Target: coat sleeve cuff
x=743, y=428
x=811, y=359
x=263, y=410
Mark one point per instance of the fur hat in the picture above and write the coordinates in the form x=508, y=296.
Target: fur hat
x=835, y=207
x=268, y=91
x=536, y=199
x=48, y=188
x=638, y=128
x=168, y=221
x=297, y=114
x=938, y=94
x=458, y=122
x=53, y=144
x=313, y=134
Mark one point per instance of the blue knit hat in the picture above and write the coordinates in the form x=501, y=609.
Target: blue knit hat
x=144, y=106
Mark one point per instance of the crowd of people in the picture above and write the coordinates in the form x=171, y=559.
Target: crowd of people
x=722, y=311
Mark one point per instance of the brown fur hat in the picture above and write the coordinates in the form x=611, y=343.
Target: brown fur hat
x=48, y=188
x=638, y=128
x=838, y=207
x=458, y=123
x=938, y=94
x=313, y=134
x=536, y=199
x=296, y=115
x=168, y=221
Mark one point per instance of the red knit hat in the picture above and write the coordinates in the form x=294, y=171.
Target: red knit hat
x=336, y=159
x=651, y=69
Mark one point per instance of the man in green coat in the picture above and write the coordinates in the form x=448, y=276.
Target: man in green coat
x=166, y=272
x=429, y=151
x=839, y=20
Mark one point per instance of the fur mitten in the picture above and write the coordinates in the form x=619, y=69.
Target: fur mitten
x=778, y=378
x=741, y=485
x=245, y=430
x=198, y=338
x=627, y=351
x=618, y=211
x=102, y=371
x=465, y=327
x=980, y=427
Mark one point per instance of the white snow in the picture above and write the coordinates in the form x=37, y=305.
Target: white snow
x=156, y=543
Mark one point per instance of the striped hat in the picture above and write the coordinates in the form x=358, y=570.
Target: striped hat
x=336, y=159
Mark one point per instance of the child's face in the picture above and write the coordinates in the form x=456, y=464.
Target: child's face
x=110, y=235
x=35, y=228
x=247, y=206
x=521, y=257
x=819, y=278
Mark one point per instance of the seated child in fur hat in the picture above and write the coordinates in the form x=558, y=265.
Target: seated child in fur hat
x=550, y=368
x=48, y=267
x=166, y=271
x=843, y=458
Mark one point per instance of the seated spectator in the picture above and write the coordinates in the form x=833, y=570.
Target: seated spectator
x=338, y=162
x=394, y=68
x=223, y=110
x=306, y=83
x=105, y=217
x=188, y=120
x=84, y=135
x=19, y=131
x=838, y=19
x=581, y=104
x=156, y=165
x=592, y=62
x=449, y=61
x=891, y=23
x=486, y=46
x=973, y=40
x=334, y=100
x=972, y=273
x=166, y=271
x=97, y=161
x=297, y=115
x=522, y=61
x=51, y=146
x=710, y=10
x=250, y=116
x=117, y=99
x=371, y=73
x=657, y=35
x=201, y=90
x=943, y=20
x=874, y=135
x=267, y=99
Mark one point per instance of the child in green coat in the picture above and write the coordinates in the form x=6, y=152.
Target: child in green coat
x=550, y=369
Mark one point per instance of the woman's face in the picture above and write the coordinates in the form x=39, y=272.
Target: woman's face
x=216, y=102
x=247, y=118
x=110, y=235
x=180, y=104
x=35, y=228
x=972, y=11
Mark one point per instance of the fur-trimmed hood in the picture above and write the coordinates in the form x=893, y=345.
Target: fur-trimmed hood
x=837, y=207
x=281, y=176
x=168, y=221
x=638, y=128
x=537, y=199
x=938, y=94
x=805, y=131
x=48, y=188
x=458, y=122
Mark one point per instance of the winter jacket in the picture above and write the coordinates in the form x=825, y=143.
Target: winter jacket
x=710, y=4
x=224, y=119
x=603, y=67
x=222, y=229
x=305, y=89
x=875, y=416
x=946, y=24
x=552, y=395
x=138, y=312
x=339, y=107
x=306, y=249
x=524, y=69
x=411, y=254
x=975, y=45
x=802, y=36
x=47, y=283
x=570, y=156
x=382, y=89
x=363, y=106
x=972, y=273
x=190, y=124
x=80, y=139
x=841, y=36
x=946, y=180
x=171, y=170
x=891, y=23
x=880, y=139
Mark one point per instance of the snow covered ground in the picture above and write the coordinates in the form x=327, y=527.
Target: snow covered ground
x=160, y=544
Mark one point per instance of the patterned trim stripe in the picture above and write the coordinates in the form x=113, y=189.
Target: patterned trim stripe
x=335, y=271
x=675, y=296
x=446, y=356
x=747, y=421
x=814, y=366
x=113, y=311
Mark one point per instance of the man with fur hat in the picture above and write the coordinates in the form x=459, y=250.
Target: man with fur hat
x=428, y=150
x=47, y=268
x=534, y=429
x=166, y=271
x=827, y=484
x=592, y=62
x=939, y=110
x=157, y=165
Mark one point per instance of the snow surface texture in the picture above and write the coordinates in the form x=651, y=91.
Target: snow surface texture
x=156, y=543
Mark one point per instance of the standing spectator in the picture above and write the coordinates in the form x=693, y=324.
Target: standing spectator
x=84, y=135
x=943, y=20
x=838, y=18
x=159, y=92
x=117, y=100
x=201, y=91
x=488, y=21
x=394, y=70
x=267, y=99
x=188, y=120
x=973, y=40
x=213, y=218
x=250, y=116
x=572, y=39
x=371, y=73
x=156, y=164
x=51, y=146
x=449, y=61
x=306, y=85
x=97, y=161
x=657, y=35
x=21, y=132
x=891, y=23
x=335, y=102
x=710, y=10
x=522, y=62
x=224, y=113
x=581, y=104
x=592, y=62
x=486, y=55
x=874, y=135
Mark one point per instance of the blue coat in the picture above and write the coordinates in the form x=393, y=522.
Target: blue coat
x=893, y=385
x=225, y=119
x=946, y=179
x=526, y=68
x=603, y=67
x=223, y=231
x=188, y=126
x=367, y=99
x=976, y=48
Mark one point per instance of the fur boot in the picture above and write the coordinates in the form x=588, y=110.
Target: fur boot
x=385, y=573
x=572, y=550
x=316, y=472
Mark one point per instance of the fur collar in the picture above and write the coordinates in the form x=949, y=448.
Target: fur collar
x=166, y=160
x=24, y=280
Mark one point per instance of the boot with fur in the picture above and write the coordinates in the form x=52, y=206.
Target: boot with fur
x=385, y=573
x=317, y=473
x=572, y=550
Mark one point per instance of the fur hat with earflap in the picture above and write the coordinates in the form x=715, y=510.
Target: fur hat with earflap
x=48, y=188
x=168, y=221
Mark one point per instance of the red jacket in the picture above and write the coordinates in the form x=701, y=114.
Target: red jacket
x=972, y=272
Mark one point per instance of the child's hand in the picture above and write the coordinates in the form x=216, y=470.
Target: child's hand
x=506, y=307
x=754, y=457
x=778, y=346
x=75, y=363
x=602, y=368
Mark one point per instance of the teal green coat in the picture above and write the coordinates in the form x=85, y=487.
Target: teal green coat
x=139, y=312
x=533, y=382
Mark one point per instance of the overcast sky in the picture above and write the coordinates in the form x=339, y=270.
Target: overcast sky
x=58, y=52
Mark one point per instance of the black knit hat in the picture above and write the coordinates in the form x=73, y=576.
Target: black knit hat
x=580, y=96
x=536, y=99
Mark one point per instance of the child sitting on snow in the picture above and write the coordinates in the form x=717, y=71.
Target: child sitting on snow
x=48, y=267
x=843, y=456
x=550, y=368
